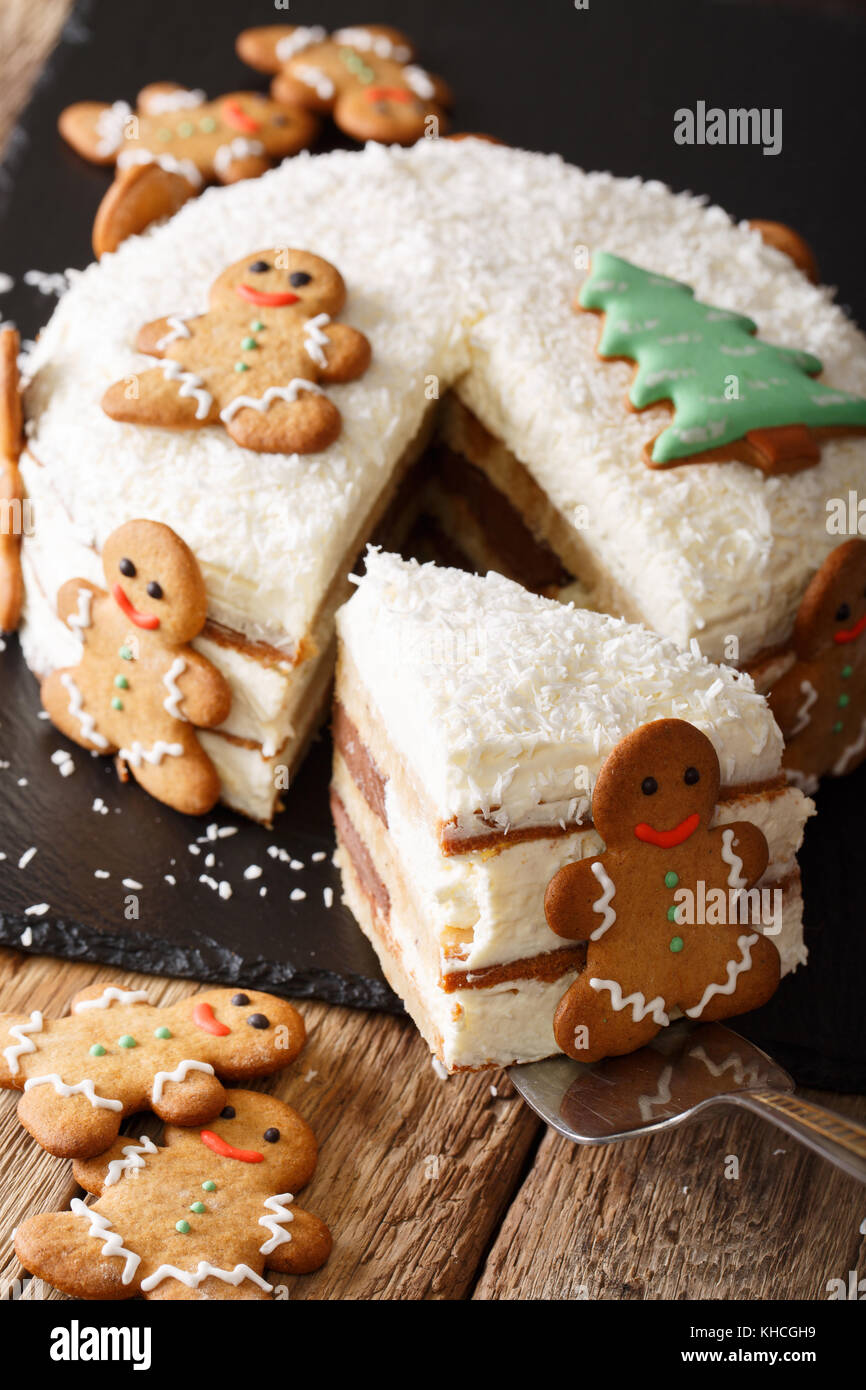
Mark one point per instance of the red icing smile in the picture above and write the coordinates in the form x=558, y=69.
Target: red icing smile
x=270, y=301
x=225, y=1150
x=387, y=94
x=235, y=116
x=850, y=634
x=202, y=1017
x=666, y=839
x=148, y=620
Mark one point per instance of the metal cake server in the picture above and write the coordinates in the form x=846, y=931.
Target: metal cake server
x=686, y=1068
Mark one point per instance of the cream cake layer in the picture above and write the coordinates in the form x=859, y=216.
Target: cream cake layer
x=459, y=922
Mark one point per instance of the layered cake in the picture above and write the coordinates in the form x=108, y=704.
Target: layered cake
x=471, y=721
x=461, y=264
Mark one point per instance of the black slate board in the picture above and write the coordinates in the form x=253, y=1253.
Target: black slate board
x=599, y=86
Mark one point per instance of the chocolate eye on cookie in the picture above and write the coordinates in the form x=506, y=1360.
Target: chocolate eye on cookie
x=649, y=786
x=258, y=1021
x=271, y=1136
x=843, y=612
x=690, y=776
x=127, y=568
x=299, y=277
x=154, y=589
x=259, y=267
x=227, y=1113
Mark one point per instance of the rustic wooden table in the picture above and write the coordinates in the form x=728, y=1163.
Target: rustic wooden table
x=453, y=1189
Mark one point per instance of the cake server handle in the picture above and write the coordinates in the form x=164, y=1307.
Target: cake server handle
x=834, y=1136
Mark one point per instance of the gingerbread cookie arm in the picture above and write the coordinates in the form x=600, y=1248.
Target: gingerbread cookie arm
x=75, y=599
x=66, y=1121
x=743, y=847
x=578, y=899
x=156, y=337
x=303, y=426
x=85, y=127
x=348, y=354
x=91, y=1173
x=786, y=700
x=205, y=695
x=310, y=1245
x=167, y=396
x=258, y=46
x=152, y=99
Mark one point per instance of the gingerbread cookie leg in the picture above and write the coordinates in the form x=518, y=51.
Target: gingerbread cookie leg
x=598, y=1018
x=304, y=425
x=750, y=978
x=308, y=1248
x=166, y=396
x=70, y=1121
x=62, y=1248
x=154, y=769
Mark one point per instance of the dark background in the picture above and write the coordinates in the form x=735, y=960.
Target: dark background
x=600, y=86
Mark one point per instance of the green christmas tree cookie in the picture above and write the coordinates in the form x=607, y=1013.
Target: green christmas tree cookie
x=734, y=396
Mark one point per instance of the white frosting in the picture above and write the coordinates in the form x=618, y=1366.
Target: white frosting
x=112, y=1241
x=453, y=273
x=734, y=969
x=303, y=36
x=500, y=701
x=23, y=1043
x=288, y=393
x=172, y=165
x=637, y=1002
x=239, y=148
x=180, y=1073
x=420, y=82
x=111, y=995
x=853, y=750
x=602, y=904
x=804, y=716
x=190, y=385
x=172, y=702
x=80, y=1088
x=733, y=860
x=132, y=1161
x=192, y=1278
x=179, y=100
x=316, y=340
x=76, y=708
x=177, y=329
x=315, y=78
x=81, y=618
x=111, y=127
x=275, y=1223
x=137, y=754
x=354, y=36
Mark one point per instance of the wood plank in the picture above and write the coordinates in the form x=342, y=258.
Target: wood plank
x=658, y=1219
x=414, y=1172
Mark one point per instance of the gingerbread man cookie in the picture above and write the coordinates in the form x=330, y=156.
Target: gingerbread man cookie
x=364, y=76
x=254, y=362
x=653, y=803
x=11, y=489
x=175, y=142
x=115, y=1055
x=140, y=690
x=201, y=1218
x=820, y=701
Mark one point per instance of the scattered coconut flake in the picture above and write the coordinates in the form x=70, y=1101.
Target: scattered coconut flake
x=209, y=860
x=26, y=857
x=6, y=282
x=132, y=883
x=226, y=830
x=263, y=892
x=328, y=895
x=225, y=890
x=319, y=856
x=208, y=881
x=297, y=895
x=253, y=871
x=36, y=910
x=193, y=849
x=99, y=807
x=26, y=937
x=101, y=873
x=170, y=878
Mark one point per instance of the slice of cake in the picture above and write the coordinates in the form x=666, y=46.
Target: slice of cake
x=471, y=721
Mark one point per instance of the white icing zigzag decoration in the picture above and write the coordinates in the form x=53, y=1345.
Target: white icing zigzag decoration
x=735, y=968
x=101, y=1228
x=316, y=340
x=281, y=1213
x=191, y=385
x=730, y=856
x=239, y=148
x=138, y=754
x=637, y=1001
x=203, y=1270
x=602, y=904
x=132, y=1160
x=24, y=1044
x=172, y=702
x=82, y=618
x=852, y=751
x=179, y=1074
x=804, y=717
x=169, y=162
x=81, y=1088
x=111, y=995
x=274, y=393
x=177, y=329
x=304, y=36
x=76, y=708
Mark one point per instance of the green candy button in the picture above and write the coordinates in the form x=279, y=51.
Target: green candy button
x=671, y=879
x=242, y=367
x=838, y=727
x=199, y=1208
x=186, y=128
x=209, y=1186
x=672, y=912
x=207, y=124
x=162, y=1033
x=677, y=944
x=121, y=682
x=165, y=134
x=257, y=325
x=125, y=653
x=182, y=1227
x=97, y=1050
x=116, y=702
x=248, y=344
x=846, y=672
x=843, y=701
x=127, y=1041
